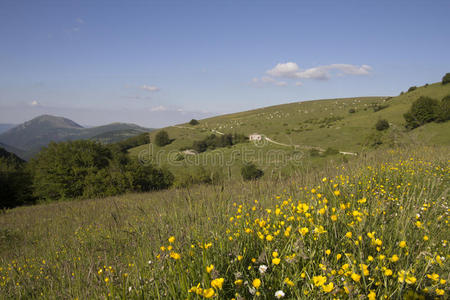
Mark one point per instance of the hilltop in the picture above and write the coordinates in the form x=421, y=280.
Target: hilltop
x=346, y=125
x=28, y=138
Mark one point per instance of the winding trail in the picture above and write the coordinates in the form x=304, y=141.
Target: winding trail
x=274, y=142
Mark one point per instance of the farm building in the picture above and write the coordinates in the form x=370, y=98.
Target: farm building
x=255, y=137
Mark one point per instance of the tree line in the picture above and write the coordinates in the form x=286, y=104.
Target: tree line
x=77, y=169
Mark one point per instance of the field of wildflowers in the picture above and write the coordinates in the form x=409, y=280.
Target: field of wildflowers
x=371, y=229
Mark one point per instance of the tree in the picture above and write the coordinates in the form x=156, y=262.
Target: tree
x=413, y=88
x=446, y=78
x=444, y=112
x=60, y=170
x=162, y=138
x=148, y=178
x=15, y=181
x=194, y=122
x=382, y=124
x=251, y=172
x=422, y=111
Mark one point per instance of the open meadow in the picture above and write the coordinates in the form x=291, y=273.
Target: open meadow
x=374, y=227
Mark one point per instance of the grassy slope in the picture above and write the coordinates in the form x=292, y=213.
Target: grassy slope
x=110, y=248
x=302, y=124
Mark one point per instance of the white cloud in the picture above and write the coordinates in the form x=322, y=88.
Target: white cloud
x=79, y=20
x=159, y=108
x=281, y=83
x=298, y=83
x=150, y=88
x=292, y=70
x=288, y=70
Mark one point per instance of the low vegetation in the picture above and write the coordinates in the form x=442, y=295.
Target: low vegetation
x=162, y=138
x=446, y=78
x=425, y=110
x=76, y=169
x=372, y=228
x=251, y=172
x=213, y=141
x=382, y=124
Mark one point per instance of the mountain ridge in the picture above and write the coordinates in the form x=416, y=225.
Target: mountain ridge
x=28, y=138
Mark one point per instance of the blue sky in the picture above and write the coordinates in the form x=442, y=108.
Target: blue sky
x=157, y=63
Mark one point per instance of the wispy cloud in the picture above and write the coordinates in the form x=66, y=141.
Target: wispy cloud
x=35, y=103
x=292, y=70
x=79, y=20
x=150, y=88
x=266, y=80
x=159, y=108
x=138, y=97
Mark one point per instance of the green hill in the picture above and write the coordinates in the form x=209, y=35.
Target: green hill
x=347, y=125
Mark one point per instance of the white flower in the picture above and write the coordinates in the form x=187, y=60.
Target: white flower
x=279, y=294
x=251, y=290
x=262, y=269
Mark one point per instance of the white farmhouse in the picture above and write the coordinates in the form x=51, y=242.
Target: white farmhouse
x=255, y=137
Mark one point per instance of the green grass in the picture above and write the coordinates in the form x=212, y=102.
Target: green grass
x=111, y=248
x=320, y=124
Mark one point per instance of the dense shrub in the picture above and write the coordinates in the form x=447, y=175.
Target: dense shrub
x=378, y=107
x=423, y=110
x=194, y=122
x=83, y=169
x=446, y=78
x=382, y=124
x=213, y=141
x=138, y=140
x=147, y=178
x=444, y=111
x=412, y=88
x=251, y=172
x=352, y=110
x=162, y=138
x=330, y=151
x=15, y=181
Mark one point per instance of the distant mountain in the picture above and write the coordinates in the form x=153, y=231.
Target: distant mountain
x=32, y=135
x=4, y=127
x=10, y=156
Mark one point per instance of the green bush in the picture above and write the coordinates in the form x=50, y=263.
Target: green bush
x=330, y=151
x=412, y=88
x=423, y=110
x=251, y=172
x=378, y=107
x=15, y=181
x=382, y=124
x=162, y=138
x=85, y=169
x=446, y=78
x=213, y=141
x=444, y=111
x=194, y=122
x=131, y=142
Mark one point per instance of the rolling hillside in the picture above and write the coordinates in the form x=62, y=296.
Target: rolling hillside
x=28, y=138
x=347, y=125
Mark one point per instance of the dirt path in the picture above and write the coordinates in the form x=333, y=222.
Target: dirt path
x=274, y=142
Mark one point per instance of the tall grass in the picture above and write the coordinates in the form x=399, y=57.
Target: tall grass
x=374, y=227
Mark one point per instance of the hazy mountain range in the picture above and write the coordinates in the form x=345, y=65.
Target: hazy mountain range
x=28, y=138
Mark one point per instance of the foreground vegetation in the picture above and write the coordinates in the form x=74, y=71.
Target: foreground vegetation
x=374, y=227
